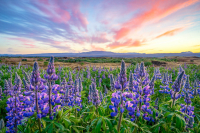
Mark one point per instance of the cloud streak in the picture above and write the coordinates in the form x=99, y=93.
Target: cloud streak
x=129, y=43
x=170, y=32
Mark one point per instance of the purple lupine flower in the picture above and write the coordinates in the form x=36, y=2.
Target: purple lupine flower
x=105, y=90
x=95, y=96
x=88, y=73
x=142, y=70
x=122, y=75
x=151, y=84
x=70, y=81
x=156, y=104
x=100, y=96
x=176, y=87
x=195, y=91
x=103, y=76
x=157, y=73
x=131, y=81
x=14, y=107
x=26, y=77
x=26, y=85
x=112, y=84
x=35, y=81
x=165, y=88
x=170, y=78
x=80, y=87
x=189, y=110
x=6, y=87
x=66, y=97
x=190, y=123
x=66, y=76
x=187, y=84
x=90, y=94
x=51, y=77
x=100, y=80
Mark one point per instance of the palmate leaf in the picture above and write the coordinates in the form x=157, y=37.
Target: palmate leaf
x=197, y=116
x=104, y=124
x=130, y=122
x=98, y=126
x=20, y=128
x=109, y=124
x=67, y=122
x=50, y=130
x=75, y=129
x=93, y=122
x=59, y=126
x=47, y=119
x=158, y=124
x=180, y=122
x=48, y=126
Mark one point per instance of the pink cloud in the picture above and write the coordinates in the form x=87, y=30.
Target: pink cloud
x=100, y=38
x=128, y=43
x=63, y=12
x=153, y=13
x=96, y=48
x=26, y=42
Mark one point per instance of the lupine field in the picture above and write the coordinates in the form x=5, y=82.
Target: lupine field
x=127, y=99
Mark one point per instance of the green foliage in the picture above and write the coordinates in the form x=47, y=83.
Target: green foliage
x=46, y=63
x=82, y=63
x=147, y=63
x=40, y=59
x=24, y=59
x=3, y=106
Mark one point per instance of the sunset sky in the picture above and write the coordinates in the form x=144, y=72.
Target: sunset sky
x=68, y=26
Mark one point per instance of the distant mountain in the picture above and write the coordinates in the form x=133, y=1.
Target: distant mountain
x=103, y=54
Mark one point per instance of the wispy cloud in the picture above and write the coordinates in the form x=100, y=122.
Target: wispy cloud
x=170, y=32
x=129, y=43
x=12, y=51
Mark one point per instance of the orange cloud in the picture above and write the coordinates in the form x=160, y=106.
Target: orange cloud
x=159, y=10
x=170, y=32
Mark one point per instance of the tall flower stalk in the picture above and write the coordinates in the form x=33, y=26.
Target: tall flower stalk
x=122, y=80
x=51, y=77
x=176, y=88
x=35, y=80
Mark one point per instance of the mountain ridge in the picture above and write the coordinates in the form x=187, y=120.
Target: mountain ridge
x=103, y=54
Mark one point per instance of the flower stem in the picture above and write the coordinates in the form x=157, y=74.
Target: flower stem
x=15, y=111
x=37, y=109
x=50, y=91
x=173, y=102
x=119, y=123
x=121, y=114
x=75, y=104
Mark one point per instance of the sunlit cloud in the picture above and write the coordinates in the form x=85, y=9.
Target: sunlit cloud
x=170, y=32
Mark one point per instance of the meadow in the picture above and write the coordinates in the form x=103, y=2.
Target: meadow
x=134, y=97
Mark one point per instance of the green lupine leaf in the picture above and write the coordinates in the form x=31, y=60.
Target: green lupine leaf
x=50, y=128
x=98, y=127
x=109, y=125
x=59, y=126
